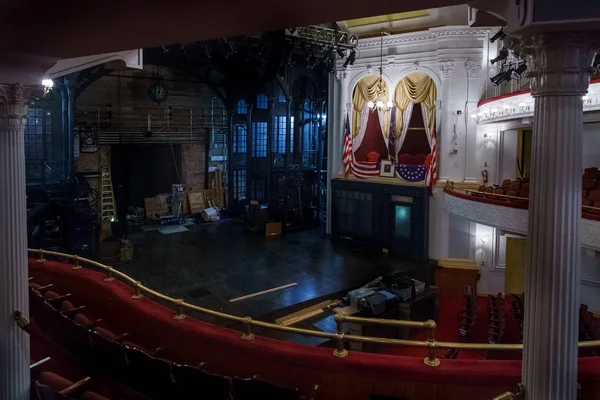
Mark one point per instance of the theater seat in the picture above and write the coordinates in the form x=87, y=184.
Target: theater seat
x=516, y=185
x=506, y=184
x=404, y=158
x=588, y=183
x=592, y=173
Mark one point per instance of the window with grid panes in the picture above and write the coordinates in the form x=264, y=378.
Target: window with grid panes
x=279, y=134
x=262, y=102
x=239, y=184
x=291, y=134
x=241, y=107
x=259, y=139
x=259, y=188
x=239, y=138
x=353, y=211
x=38, y=134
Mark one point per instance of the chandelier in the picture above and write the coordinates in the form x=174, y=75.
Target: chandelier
x=379, y=103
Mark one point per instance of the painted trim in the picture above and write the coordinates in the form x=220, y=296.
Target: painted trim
x=458, y=263
x=590, y=281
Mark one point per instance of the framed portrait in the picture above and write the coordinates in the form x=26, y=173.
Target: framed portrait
x=387, y=169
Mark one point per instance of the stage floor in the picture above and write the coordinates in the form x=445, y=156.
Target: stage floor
x=210, y=264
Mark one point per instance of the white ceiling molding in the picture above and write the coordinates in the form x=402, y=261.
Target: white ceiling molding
x=129, y=59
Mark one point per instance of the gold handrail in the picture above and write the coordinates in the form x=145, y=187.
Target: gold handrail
x=431, y=344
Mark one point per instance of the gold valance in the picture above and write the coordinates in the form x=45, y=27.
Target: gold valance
x=367, y=89
x=417, y=87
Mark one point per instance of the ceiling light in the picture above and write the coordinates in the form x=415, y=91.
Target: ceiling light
x=370, y=104
x=380, y=104
x=47, y=83
x=502, y=55
x=390, y=104
x=499, y=35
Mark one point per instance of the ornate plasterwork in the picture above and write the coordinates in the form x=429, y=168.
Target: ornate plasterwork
x=473, y=68
x=432, y=33
x=446, y=68
x=14, y=102
x=505, y=218
x=558, y=63
x=342, y=75
x=511, y=219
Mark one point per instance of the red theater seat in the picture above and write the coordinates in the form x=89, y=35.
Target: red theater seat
x=404, y=159
x=592, y=173
x=588, y=183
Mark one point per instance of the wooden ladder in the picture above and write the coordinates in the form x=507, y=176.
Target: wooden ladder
x=107, y=196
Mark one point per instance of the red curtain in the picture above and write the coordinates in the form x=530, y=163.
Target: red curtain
x=373, y=140
x=416, y=140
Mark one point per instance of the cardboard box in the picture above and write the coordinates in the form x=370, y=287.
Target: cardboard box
x=273, y=229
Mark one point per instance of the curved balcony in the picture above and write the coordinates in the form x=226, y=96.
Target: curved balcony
x=510, y=213
x=341, y=374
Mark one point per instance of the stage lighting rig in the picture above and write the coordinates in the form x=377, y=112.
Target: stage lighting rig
x=499, y=35
x=503, y=54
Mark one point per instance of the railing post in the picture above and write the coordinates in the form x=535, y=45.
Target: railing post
x=109, y=276
x=138, y=291
x=248, y=335
x=179, y=315
x=431, y=359
x=340, y=351
x=41, y=256
x=76, y=262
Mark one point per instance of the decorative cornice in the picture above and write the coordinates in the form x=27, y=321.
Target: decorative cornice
x=446, y=68
x=473, y=68
x=432, y=33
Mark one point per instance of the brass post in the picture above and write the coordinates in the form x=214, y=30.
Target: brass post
x=41, y=256
x=248, y=335
x=76, y=262
x=138, y=291
x=431, y=359
x=179, y=315
x=340, y=350
x=109, y=276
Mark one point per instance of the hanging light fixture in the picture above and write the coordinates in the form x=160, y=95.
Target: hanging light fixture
x=380, y=104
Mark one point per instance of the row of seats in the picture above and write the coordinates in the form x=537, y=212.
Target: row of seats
x=497, y=320
x=135, y=366
x=518, y=309
x=517, y=188
x=467, y=323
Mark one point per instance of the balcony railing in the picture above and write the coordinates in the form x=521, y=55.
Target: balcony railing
x=430, y=345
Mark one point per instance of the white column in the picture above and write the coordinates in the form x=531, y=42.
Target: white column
x=14, y=343
x=446, y=142
x=472, y=169
x=560, y=68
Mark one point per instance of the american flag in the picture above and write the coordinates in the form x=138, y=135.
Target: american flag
x=347, y=155
x=431, y=177
x=359, y=169
x=392, y=136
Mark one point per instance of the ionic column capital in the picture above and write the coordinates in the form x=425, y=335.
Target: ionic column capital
x=559, y=63
x=473, y=68
x=14, y=103
x=342, y=75
x=446, y=68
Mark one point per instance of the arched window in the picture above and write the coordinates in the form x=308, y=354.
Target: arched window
x=241, y=107
x=281, y=98
x=262, y=102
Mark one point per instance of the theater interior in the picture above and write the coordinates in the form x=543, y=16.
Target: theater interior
x=318, y=200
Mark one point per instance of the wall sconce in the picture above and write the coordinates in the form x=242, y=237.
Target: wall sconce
x=484, y=241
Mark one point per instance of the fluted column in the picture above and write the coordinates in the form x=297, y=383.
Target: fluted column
x=14, y=343
x=560, y=65
x=446, y=139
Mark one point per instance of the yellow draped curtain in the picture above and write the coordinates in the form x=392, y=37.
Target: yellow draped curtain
x=367, y=90
x=417, y=87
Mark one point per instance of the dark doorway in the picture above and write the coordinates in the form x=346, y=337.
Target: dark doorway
x=144, y=170
x=402, y=226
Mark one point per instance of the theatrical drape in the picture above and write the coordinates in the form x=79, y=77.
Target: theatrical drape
x=367, y=90
x=417, y=87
